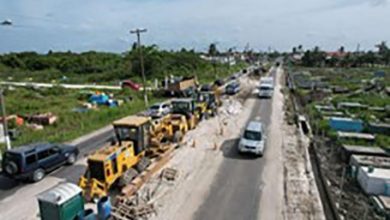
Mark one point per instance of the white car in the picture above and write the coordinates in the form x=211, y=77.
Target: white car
x=252, y=140
x=266, y=87
x=159, y=110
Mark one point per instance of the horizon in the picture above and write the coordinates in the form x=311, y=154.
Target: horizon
x=174, y=24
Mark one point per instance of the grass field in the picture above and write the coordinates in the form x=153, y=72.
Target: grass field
x=70, y=125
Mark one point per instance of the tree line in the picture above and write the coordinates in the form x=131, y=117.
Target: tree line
x=158, y=63
x=316, y=57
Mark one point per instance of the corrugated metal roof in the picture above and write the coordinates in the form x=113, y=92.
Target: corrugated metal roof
x=60, y=193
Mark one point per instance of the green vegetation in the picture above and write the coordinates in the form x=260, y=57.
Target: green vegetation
x=61, y=102
x=91, y=67
x=353, y=79
x=100, y=68
x=318, y=58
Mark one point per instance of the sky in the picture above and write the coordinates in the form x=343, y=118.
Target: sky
x=62, y=25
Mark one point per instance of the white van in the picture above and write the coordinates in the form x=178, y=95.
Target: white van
x=266, y=87
x=252, y=140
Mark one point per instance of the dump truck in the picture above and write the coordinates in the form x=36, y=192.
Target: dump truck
x=180, y=87
x=137, y=139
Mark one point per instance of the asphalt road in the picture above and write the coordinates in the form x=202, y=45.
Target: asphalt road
x=71, y=173
x=236, y=191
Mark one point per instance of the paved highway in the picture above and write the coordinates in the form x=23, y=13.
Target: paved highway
x=238, y=187
x=14, y=195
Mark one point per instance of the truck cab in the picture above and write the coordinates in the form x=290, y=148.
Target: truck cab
x=111, y=164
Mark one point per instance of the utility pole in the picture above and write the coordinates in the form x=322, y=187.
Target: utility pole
x=138, y=33
x=5, y=126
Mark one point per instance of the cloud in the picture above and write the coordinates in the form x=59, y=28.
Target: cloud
x=281, y=24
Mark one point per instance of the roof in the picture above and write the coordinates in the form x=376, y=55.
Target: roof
x=182, y=100
x=36, y=146
x=375, y=161
x=60, y=193
x=341, y=134
x=132, y=120
x=103, y=153
x=325, y=107
x=344, y=119
x=254, y=126
x=351, y=104
x=377, y=173
x=382, y=125
x=363, y=149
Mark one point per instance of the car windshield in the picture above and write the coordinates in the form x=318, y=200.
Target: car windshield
x=265, y=88
x=252, y=135
x=95, y=170
x=155, y=107
x=125, y=133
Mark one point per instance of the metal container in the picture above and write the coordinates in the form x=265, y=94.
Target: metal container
x=346, y=124
x=62, y=202
x=104, y=208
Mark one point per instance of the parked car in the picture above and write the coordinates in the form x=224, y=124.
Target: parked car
x=252, y=140
x=232, y=88
x=219, y=82
x=159, y=110
x=206, y=88
x=33, y=162
x=130, y=84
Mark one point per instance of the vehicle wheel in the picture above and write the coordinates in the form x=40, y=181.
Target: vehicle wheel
x=142, y=164
x=214, y=112
x=205, y=116
x=11, y=168
x=127, y=177
x=71, y=159
x=177, y=137
x=38, y=175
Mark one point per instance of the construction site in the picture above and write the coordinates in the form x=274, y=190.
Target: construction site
x=194, y=110
x=167, y=166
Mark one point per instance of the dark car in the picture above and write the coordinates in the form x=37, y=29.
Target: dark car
x=206, y=88
x=232, y=88
x=219, y=82
x=32, y=162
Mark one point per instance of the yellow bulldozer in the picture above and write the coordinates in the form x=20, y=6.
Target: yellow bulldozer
x=188, y=108
x=137, y=139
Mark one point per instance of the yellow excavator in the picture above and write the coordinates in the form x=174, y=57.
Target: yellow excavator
x=137, y=138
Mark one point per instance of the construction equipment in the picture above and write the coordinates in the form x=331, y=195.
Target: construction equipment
x=185, y=107
x=138, y=138
x=208, y=101
x=181, y=87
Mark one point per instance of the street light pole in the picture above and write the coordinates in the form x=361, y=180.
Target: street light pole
x=5, y=126
x=138, y=33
